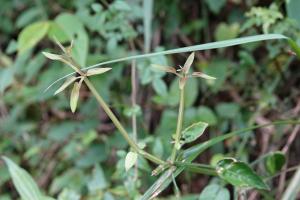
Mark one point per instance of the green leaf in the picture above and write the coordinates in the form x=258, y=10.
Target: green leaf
x=215, y=5
x=27, y=16
x=160, y=87
x=225, y=31
x=217, y=68
x=133, y=110
x=24, y=183
x=193, y=132
x=228, y=110
x=75, y=95
x=98, y=180
x=56, y=31
x=292, y=7
x=214, y=192
x=239, y=174
x=205, y=114
x=130, y=160
x=74, y=29
x=274, y=162
x=190, y=94
x=31, y=35
x=95, y=71
x=212, y=45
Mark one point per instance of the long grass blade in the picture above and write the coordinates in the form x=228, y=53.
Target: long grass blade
x=212, y=45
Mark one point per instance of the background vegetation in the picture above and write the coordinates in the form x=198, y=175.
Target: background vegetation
x=81, y=155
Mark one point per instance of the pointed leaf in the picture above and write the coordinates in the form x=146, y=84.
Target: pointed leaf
x=130, y=160
x=193, y=132
x=61, y=58
x=164, y=68
x=239, y=174
x=202, y=75
x=188, y=63
x=75, y=95
x=53, y=56
x=66, y=84
x=95, y=71
x=24, y=183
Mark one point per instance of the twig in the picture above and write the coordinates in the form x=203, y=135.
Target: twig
x=133, y=102
x=179, y=126
x=291, y=139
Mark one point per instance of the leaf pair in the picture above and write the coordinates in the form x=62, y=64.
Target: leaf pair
x=183, y=71
x=80, y=75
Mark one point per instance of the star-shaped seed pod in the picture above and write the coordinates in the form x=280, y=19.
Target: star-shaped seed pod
x=183, y=72
x=66, y=58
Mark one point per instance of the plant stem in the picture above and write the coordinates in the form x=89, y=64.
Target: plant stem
x=133, y=102
x=198, y=168
x=179, y=125
x=119, y=126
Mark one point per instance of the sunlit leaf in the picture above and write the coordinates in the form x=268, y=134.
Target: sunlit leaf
x=193, y=132
x=130, y=160
x=66, y=84
x=56, y=32
x=31, y=35
x=239, y=174
x=95, y=71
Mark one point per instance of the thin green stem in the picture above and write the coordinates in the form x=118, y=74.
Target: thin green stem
x=198, y=168
x=179, y=126
x=119, y=126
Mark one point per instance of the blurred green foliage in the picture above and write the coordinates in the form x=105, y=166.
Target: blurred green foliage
x=82, y=156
